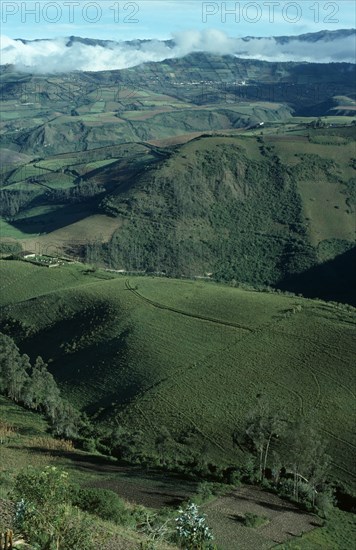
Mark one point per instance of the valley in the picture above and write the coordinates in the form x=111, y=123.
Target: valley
x=177, y=258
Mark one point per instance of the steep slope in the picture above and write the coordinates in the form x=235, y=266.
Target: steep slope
x=257, y=210
x=188, y=356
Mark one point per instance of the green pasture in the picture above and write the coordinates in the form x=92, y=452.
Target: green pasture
x=99, y=164
x=187, y=355
x=56, y=163
x=25, y=172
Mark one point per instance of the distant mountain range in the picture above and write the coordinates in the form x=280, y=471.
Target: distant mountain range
x=89, y=54
x=324, y=36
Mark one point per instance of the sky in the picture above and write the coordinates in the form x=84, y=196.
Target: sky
x=126, y=20
x=195, y=25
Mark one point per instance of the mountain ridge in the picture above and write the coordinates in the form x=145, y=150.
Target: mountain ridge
x=97, y=54
x=309, y=37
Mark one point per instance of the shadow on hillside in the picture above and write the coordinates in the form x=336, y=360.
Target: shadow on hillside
x=149, y=487
x=90, y=462
x=56, y=219
x=333, y=280
x=267, y=503
x=168, y=499
x=103, y=464
x=238, y=518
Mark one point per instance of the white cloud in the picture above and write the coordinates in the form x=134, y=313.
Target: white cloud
x=54, y=56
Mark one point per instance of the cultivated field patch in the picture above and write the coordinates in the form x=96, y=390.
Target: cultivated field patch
x=282, y=520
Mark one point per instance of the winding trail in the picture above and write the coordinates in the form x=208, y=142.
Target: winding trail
x=186, y=313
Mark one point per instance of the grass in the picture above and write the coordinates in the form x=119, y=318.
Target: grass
x=99, y=164
x=56, y=163
x=25, y=172
x=188, y=354
x=21, y=281
x=59, y=181
x=47, y=218
x=35, y=188
x=16, y=450
x=69, y=237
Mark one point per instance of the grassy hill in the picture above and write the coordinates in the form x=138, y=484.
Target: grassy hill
x=308, y=88
x=185, y=356
x=181, y=174
x=261, y=209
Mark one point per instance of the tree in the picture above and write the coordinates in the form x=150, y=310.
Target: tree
x=307, y=457
x=43, y=391
x=35, y=388
x=66, y=420
x=13, y=368
x=126, y=444
x=262, y=427
x=19, y=378
x=165, y=446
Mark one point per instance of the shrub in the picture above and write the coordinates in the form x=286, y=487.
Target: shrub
x=325, y=502
x=51, y=444
x=43, y=513
x=286, y=488
x=7, y=432
x=233, y=476
x=76, y=531
x=253, y=520
x=204, y=491
x=191, y=528
x=102, y=502
x=157, y=527
x=89, y=445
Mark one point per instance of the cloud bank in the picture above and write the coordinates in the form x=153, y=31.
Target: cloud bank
x=56, y=56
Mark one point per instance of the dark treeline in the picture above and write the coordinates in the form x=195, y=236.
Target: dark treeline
x=81, y=192
x=14, y=201
x=11, y=202
x=34, y=387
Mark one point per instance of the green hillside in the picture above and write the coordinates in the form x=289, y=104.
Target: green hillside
x=261, y=209
x=254, y=209
x=189, y=357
